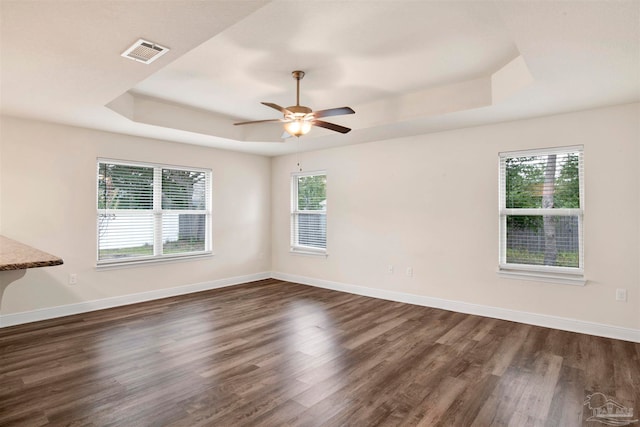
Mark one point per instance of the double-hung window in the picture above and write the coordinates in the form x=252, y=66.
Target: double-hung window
x=309, y=212
x=149, y=212
x=541, y=212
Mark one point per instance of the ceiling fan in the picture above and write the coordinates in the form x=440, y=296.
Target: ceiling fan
x=298, y=119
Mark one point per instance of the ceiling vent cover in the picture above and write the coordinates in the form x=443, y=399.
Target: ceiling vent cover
x=145, y=51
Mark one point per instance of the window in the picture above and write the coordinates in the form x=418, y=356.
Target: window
x=541, y=210
x=309, y=212
x=148, y=212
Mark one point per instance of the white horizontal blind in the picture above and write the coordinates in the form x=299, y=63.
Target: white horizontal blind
x=541, y=210
x=149, y=211
x=309, y=212
x=184, y=211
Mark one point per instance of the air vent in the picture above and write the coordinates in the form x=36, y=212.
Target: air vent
x=145, y=51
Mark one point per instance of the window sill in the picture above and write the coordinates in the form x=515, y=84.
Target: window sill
x=112, y=265
x=308, y=252
x=540, y=276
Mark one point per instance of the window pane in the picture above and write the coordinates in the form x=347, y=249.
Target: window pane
x=182, y=233
x=125, y=187
x=312, y=230
x=543, y=240
x=312, y=193
x=125, y=236
x=183, y=189
x=543, y=181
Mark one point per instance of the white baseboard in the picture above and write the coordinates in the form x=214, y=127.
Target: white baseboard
x=545, y=320
x=83, y=307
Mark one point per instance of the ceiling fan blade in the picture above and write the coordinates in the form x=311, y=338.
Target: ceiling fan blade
x=333, y=112
x=257, y=121
x=277, y=107
x=330, y=126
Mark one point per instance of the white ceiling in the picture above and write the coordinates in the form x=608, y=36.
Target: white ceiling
x=405, y=67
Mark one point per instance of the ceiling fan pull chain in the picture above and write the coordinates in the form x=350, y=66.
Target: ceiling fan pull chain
x=298, y=153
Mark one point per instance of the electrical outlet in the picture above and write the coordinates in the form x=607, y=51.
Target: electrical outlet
x=410, y=271
x=621, y=294
x=390, y=269
x=73, y=278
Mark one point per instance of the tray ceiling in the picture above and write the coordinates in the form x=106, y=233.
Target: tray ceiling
x=405, y=67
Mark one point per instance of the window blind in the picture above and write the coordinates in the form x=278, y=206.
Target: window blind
x=184, y=211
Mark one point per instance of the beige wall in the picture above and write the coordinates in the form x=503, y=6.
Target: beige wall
x=48, y=186
x=427, y=202
x=430, y=202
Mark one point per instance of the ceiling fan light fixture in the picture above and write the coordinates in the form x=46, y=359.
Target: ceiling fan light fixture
x=298, y=127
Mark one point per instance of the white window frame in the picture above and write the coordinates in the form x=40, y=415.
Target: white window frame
x=157, y=212
x=295, y=213
x=565, y=275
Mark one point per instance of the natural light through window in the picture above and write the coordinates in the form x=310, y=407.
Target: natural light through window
x=309, y=212
x=148, y=212
x=541, y=211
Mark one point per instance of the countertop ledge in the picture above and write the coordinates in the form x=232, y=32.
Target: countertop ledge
x=17, y=256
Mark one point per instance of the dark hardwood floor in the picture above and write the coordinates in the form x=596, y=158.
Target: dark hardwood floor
x=272, y=353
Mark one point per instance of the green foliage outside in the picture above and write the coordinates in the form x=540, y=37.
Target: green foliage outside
x=312, y=192
x=523, y=256
x=125, y=187
x=175, y=247
x=567, y=188
x=144, y=250
x=179, y=188
x=183, y=246
x=131, y=187
x=524, y=183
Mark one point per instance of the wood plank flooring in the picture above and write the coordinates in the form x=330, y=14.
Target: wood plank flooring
x=273, y=353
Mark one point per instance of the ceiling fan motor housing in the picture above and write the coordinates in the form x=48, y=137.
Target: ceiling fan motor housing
x=299, y=109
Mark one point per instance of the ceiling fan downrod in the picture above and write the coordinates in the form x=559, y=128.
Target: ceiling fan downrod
x=298, y=75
